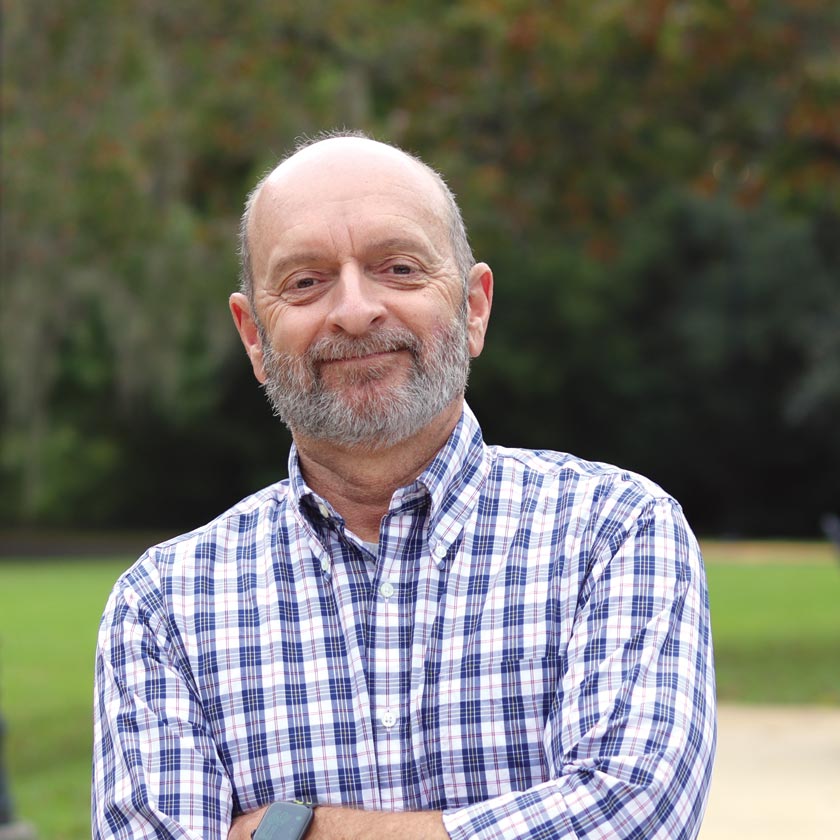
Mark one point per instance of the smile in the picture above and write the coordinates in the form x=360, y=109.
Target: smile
x=368, y=357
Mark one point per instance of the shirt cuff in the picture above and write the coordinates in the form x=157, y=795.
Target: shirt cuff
x=539, y=812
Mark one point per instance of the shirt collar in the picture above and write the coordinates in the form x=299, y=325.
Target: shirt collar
x=457, y=468
x=306, y=500
x=453, y=481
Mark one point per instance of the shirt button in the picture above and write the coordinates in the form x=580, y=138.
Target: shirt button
x=325, y=564
x=325, y=511
x=439, y=551
x=388, y=718
x=387, y=589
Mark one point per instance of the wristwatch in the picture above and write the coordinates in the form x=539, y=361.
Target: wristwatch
x=284, y=821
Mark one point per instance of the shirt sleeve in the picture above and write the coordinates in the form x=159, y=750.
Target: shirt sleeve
x=630, y=738
x=156, y=773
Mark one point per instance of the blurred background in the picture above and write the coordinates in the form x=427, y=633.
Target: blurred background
x=656, y=185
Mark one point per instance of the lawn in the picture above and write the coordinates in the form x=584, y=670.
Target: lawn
x=775, y=616
x=49, y=611
x=775, y=622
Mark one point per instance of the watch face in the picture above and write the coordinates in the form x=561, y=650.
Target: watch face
x=284, y=821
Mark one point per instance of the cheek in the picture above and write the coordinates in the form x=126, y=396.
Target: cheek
x=428, y=314
x=289, y=332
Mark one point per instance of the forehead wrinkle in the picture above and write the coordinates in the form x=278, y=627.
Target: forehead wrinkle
x=388, y=228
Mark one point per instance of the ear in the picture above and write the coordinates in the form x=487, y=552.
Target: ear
x=479, y=303
x=246, y=326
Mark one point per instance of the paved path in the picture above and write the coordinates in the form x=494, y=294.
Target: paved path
x=777, y=775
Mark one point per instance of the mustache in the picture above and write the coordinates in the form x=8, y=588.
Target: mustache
x=385, y=340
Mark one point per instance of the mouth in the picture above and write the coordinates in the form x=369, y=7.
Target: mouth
x=362, y=370
x=358, y=370
x=366, y=358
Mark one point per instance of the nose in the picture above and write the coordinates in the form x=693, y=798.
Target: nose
x=356, y=302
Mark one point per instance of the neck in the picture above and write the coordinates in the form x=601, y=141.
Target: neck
x=359, y=481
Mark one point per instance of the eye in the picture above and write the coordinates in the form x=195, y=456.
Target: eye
x=302, y=288
x=401, y=271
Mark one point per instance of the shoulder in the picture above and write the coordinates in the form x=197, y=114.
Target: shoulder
x=180, y=563
x=570, y=473
x=604, y=500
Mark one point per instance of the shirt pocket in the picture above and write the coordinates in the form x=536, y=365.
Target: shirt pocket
x=483, y=725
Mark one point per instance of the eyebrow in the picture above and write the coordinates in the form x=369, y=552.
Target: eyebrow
x=284, y=263
x=396, y=243
x=421, y=249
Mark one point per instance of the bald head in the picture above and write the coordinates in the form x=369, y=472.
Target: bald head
x=342, y=165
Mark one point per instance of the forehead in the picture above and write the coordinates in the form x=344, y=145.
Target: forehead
x=345, y=190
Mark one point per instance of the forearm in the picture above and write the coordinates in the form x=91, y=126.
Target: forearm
x=330, y=823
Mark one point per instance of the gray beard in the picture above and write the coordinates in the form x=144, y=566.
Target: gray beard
x=371, y=417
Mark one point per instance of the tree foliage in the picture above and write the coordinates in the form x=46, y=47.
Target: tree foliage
x=656, y=184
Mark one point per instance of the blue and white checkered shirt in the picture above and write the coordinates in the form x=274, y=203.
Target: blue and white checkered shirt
x=527, y=650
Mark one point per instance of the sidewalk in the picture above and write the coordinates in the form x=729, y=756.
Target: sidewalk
x=777, y=774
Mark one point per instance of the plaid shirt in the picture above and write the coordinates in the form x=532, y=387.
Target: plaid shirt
x=527, y=650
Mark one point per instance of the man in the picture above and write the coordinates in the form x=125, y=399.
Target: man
x=422, y=635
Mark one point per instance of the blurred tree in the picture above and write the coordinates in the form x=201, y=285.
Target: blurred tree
x=108, y=309
x=657, y=185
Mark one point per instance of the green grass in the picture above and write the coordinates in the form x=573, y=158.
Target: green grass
x=775, y=623
x=775, y=619
x=49, y=613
